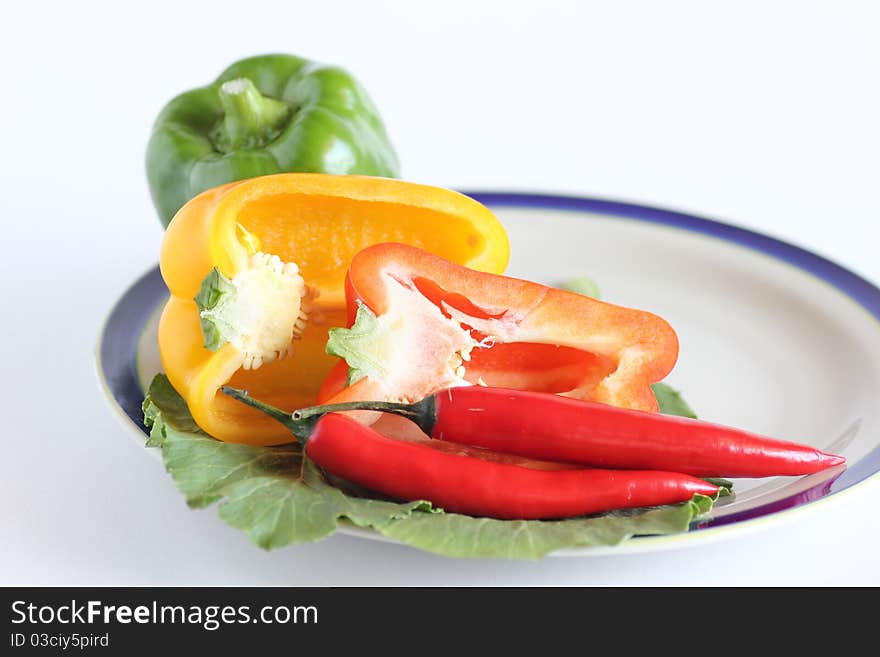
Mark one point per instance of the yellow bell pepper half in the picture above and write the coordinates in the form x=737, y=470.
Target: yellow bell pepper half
x=267, y=259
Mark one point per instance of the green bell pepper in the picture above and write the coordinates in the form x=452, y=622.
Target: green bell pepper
x=265, y=114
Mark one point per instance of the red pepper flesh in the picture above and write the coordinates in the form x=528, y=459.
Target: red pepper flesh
x=464, y=484
x=428, y=324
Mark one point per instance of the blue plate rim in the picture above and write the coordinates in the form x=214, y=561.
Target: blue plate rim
x=121, y=330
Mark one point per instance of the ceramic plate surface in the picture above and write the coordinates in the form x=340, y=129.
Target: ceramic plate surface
x=774, y=339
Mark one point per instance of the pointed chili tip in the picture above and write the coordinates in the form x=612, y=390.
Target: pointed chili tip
x=707, y=488
x=828, y=460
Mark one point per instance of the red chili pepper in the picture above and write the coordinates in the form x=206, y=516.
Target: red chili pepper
x=464, y=484
x=554, y=428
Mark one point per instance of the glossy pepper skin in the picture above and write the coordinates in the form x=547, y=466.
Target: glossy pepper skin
x=419, y=323
x=464, y=484
x=318, y=221
x=549, y=427
x=263, y=115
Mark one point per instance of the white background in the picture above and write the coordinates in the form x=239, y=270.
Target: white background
x=764, y=114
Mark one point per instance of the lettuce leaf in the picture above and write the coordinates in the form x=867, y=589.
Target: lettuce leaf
x=456, y=535
x=671, y=402
x=581, y=285
x=275, y=494
x=279, y=497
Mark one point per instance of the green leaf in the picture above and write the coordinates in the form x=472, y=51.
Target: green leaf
x=214, y=292
x=164, y=399
x=275, y=494
x=455, y=535
x=671, y=401
x=725, y=485
x=361, y=345
x=581, y=285
x=275, y=512
x=279, y=497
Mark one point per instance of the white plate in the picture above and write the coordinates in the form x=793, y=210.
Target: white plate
x=774, y=339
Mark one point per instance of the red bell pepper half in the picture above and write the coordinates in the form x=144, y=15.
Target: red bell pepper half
x=419, y=323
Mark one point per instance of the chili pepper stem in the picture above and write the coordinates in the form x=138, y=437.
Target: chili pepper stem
x=250, y=118
x=300, y=429
x=302, y=421
x=422, y=412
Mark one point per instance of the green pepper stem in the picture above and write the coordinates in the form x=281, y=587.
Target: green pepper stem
x=250, y=119
x=420, y=412
x=301, y=430
x=303, y=421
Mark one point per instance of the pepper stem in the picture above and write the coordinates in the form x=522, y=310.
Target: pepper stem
x=303, y=421
x=420, y=412
x=301, y=430
x=250, y=119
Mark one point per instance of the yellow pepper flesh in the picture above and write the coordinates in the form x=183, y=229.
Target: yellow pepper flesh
x=319, y=222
